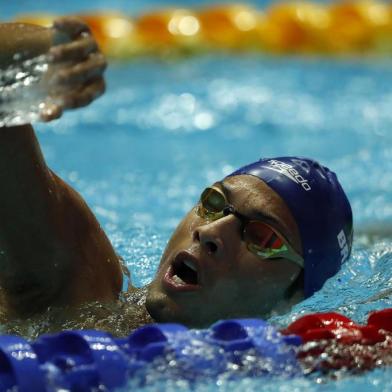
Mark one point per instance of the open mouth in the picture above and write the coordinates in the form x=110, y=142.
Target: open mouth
x=183, y=273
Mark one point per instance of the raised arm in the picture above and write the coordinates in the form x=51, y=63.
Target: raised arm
x=52, y=249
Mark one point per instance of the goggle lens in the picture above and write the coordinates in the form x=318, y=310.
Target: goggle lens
x=260, y=238
x=212, y=201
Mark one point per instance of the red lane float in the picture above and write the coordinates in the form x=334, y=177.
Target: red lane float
x=325, y=326
x=333, y=342
x=381, y=319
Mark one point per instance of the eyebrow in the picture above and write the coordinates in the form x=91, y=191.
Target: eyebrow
x=271, y=219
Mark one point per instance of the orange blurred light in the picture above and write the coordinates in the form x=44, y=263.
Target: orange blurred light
x=295, y=27
x=169, y=29
x=355, y=25
x=114, y=33
x=230, y=26
x=289, y=27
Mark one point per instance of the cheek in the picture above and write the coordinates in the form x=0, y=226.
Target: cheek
x=222, y=300
x=268, y=278
x=284, y=272
x=182, y=235
x=186, y=227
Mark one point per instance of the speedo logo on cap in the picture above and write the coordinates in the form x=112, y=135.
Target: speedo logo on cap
x=344, y=251
x=289, y=171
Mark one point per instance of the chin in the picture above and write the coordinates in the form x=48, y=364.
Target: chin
x=162, y=308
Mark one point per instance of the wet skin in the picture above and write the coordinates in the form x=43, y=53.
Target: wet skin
x=231, y=281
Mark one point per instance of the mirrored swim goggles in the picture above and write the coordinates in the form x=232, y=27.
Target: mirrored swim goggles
x=261, y=238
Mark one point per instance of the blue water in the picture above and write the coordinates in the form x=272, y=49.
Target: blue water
x=141, y=154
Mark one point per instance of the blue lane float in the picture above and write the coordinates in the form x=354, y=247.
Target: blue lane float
x=88, y=360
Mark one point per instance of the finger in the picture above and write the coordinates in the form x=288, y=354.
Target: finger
x=84, y=95
x=75, y=50
x=50, y=112
x=71, y=26
x=82, y=72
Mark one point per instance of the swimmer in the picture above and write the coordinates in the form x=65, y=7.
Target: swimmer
x=258, y=241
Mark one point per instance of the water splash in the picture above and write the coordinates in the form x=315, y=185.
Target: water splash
x=23, y=91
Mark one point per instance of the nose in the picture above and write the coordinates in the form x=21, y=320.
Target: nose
x=215, y=236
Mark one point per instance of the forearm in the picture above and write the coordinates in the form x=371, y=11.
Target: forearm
x=24, y=40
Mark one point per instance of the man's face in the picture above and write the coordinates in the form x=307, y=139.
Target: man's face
x=208, y=273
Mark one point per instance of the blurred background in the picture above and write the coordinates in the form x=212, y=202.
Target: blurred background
x=125, y=29
x=10, y=9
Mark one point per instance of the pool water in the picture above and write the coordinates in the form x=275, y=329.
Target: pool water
x=141, y=154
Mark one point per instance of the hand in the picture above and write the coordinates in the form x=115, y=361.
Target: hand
x=75, y=75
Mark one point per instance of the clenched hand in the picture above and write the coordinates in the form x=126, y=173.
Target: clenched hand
x=75, y=76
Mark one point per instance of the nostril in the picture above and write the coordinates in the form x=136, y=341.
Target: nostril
x=211, y=247
x=196, y=236
x=206, y=241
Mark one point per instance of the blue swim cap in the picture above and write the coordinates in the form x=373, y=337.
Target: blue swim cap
x=319, y=206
